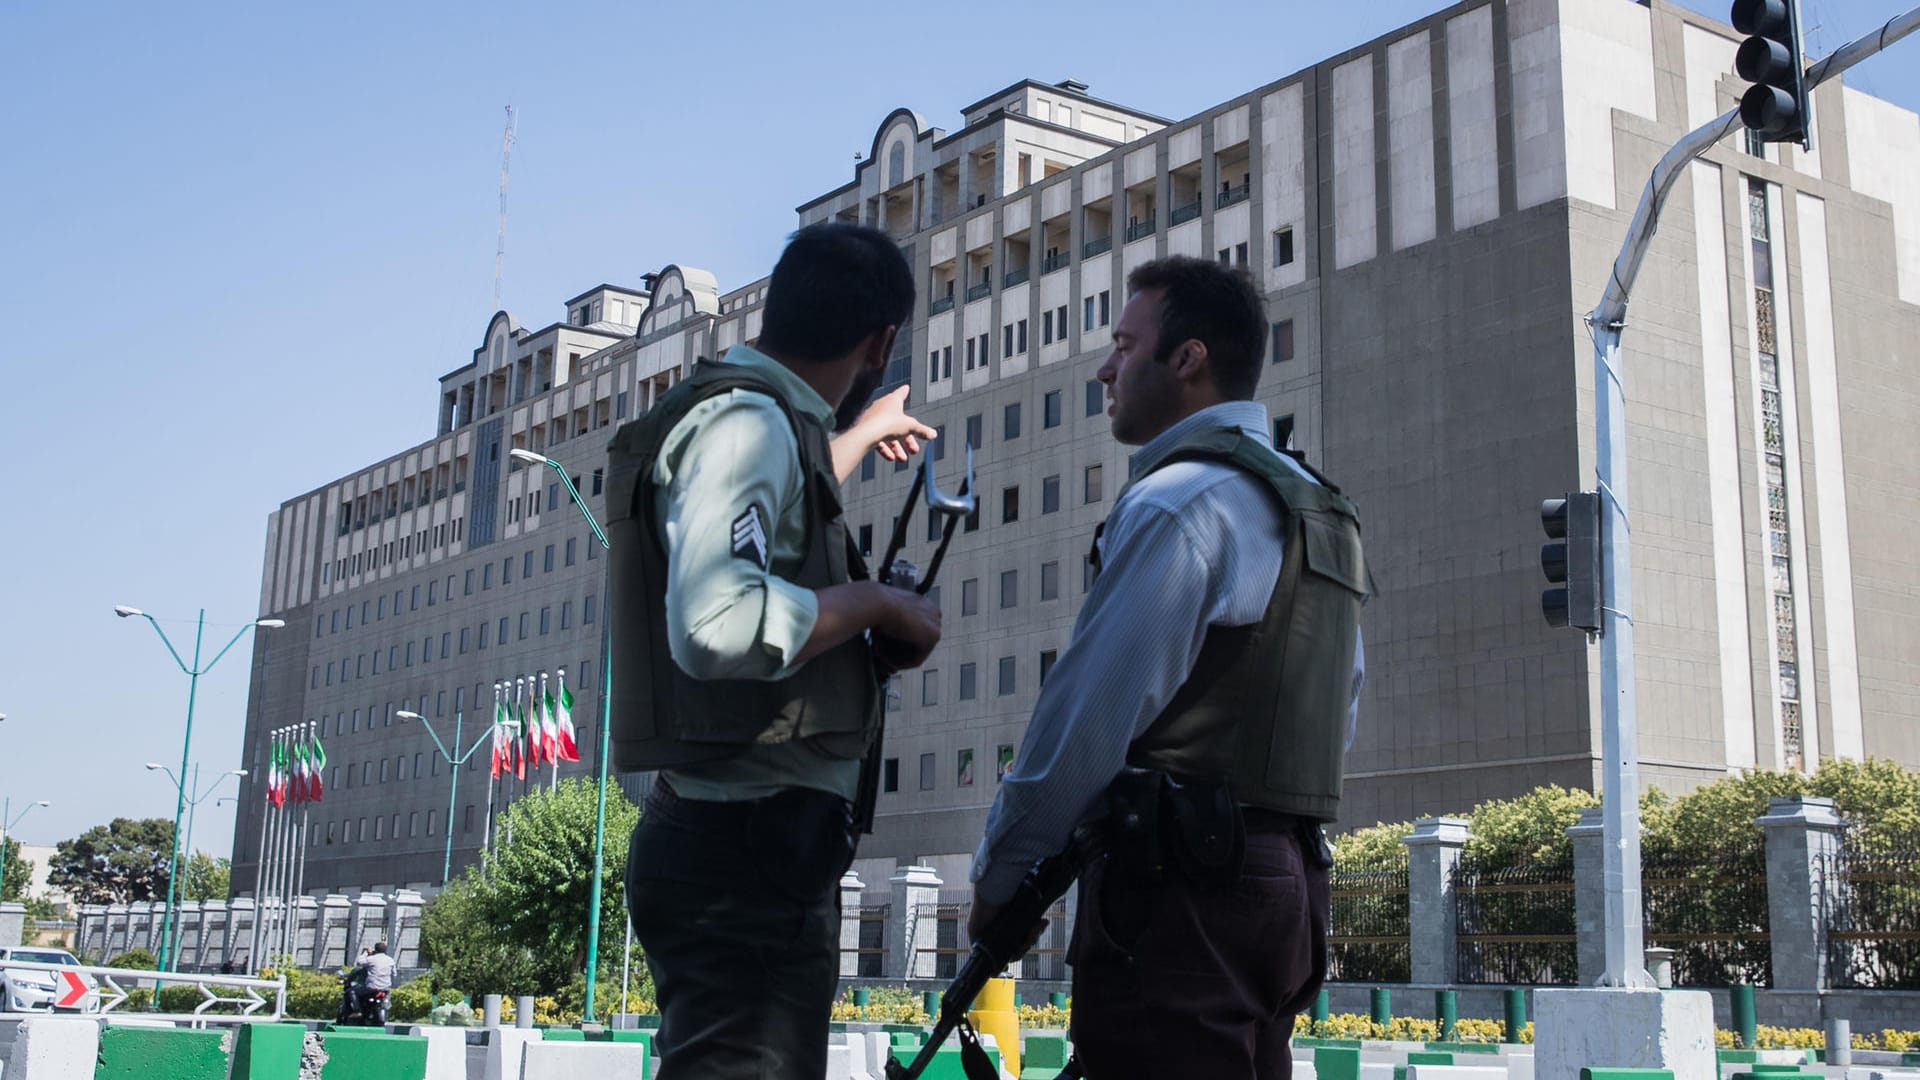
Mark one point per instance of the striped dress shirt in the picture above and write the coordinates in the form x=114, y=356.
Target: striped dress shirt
x=1190, y=546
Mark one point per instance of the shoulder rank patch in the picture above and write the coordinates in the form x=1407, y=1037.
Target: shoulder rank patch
x=750, y=537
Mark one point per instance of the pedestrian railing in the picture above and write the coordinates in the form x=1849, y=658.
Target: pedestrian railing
x=211, y=998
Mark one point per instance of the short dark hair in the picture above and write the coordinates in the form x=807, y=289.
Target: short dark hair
x=835, y=284
x=379, y=946
x=1218, y=306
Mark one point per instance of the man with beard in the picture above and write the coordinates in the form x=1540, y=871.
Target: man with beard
x=1202, y=709
x=744, y=632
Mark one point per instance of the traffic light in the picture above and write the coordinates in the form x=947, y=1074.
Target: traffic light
x=1776, y=106
x=1572, y=562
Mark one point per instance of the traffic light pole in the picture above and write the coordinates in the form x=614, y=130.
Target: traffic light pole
x=1620, y=729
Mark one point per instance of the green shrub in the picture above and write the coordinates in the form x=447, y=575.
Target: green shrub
x=136, y=959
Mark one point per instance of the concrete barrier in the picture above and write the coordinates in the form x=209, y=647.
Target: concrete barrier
x=54, y=1048
x=583, y=1061
x=506, y=1050
x=859, y=1066
x=268, y=1051
x=372, y=1055
x=138, y=1052
x=1416, y=1071
x=446, y=1051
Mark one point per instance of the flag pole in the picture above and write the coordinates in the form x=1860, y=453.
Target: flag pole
x=553, y=748
x=493, y=775
x=285, y=881
x=259, y=880
x=263, y=918
x=306, y=809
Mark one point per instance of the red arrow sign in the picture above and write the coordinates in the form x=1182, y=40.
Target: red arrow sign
x=75, y=989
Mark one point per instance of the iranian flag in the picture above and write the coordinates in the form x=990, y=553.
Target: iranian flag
x=549, y=727
x=277, y=776
x=502, y=753
x=297, y=774
x=523, y=746
x=316, y=764
x=563, y=718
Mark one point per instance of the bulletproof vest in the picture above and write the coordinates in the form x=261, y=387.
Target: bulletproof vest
x=661, y=716
x=1266, y=705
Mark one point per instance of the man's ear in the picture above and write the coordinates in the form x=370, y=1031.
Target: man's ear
x=878, y=348
x=1189, y=362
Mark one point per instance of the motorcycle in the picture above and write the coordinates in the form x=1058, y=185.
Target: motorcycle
x=360, y=1007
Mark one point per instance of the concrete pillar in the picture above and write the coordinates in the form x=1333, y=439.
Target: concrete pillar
x=1589, y=895
x=1801, y=832
x=143, y=926
x=913, y=922
x=13, y=923
x=240, y=916
x=213, y=934
x=306, y=929
x=336, y=920
x=186, y=936
x=89, y=928
x=119, y=930
x=850, y=889
x=1432, y=850
x=369, y=924
x=403, y=927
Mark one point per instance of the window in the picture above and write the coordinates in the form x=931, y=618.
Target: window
x=446, y=644
x=970, y=596
x=866, y=540
x=867, y=465
x=468, y=587
x=940, y=442
x=587, y=609
x=1047, y=657
x=506, y=570
x=572, y=544
x=349, y=616
x=1010, y=421
x=963, y=774
x=1106, y=299
x=974, y=431
x=1282, y=341
x=1020, y=336
x=930, y=686
x=1006, y=676
x=566, y=614
x=1010, y=505
x=1093, y=489
x=486, y=577
x=890, y=774
x=433, y=587
x=1240, y=253
x=1060, y=321
x=433, y=821
x=463, y=641
x=383, y=770
x=526, y=564
x=1087, y=322
x=380, y=609
x=547, y=562
x=1050, y=409
x=485, y=628
x=1002, y=762
x=413, y=824
x=970, y=348
x=1050, y=580
x=1283, y=432
x=600, y=475
x=501, y=637
x=1046, y=327
x=546, y=620
x=1009, y=588
x=946, y=362
x=933, y=365
x=1050, y=494
x=523, y=626
x=1006, y=344
x=968, y=682
x=1283, y=247
x=926, y=772
x=467, y=819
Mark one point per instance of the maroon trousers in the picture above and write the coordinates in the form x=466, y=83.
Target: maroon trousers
x=1171, y=978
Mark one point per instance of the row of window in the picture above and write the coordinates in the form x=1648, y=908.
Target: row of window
x=456, y=643
x=349, y=722
x=373, y=558
x=963, y=774
x=375, y=609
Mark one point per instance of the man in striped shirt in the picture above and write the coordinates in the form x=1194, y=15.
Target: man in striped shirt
x=1174, y=666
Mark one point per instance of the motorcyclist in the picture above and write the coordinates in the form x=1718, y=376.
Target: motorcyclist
x=372, y=976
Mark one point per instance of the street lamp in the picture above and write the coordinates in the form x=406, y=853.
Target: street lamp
x=7, y=823
x=193, y=805
x=454, y=760
x=186, y=742
x=606, y=697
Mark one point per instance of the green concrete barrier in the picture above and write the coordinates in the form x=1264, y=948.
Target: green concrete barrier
x=268, y=1051
x=1429, y=1057
x=1737, y=1057
x=1336, y=1062
x=565, y=1034
x=627, y=1035
x=946, y=1062
x=367, y=1055
x=1465, y=1047
x=142, y=1053
x=1043, y=1055
x=1626, y=1074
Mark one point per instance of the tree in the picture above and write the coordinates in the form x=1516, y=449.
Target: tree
x=14, y=871
x=207, y=878
x=116, y=863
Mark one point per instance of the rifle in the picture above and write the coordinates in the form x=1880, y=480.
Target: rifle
x=1002, y=942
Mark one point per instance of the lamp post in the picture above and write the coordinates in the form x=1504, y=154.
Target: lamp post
x=455, y=760
x=600, y=767
x=7, y=822
x=186, y=743
x=193, y=805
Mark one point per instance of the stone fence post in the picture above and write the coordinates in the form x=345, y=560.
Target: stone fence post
x=13, y=923
x=369, y=920
x=914, y=922
x=403, y=927
x=186, y=936
x=850, y=889
x=336, y=922
x=1802, y=831
x=213, y=935
x=1589, y=895
x=240, y=915
x=1433, y=849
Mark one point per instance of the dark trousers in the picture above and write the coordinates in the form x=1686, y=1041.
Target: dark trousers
x=1172, y=978
x=738, y=908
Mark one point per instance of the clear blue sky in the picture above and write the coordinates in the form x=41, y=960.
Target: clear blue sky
x=242, y=241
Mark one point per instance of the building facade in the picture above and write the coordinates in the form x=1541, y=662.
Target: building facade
x=1429, y=216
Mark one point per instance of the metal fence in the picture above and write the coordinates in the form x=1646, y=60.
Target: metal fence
x=1514, y=924
x=872, y=951
x=1872, y=918
x=1370, y=938
x=1713, y=915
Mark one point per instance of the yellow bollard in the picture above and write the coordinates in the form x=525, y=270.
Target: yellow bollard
x=993, y=1014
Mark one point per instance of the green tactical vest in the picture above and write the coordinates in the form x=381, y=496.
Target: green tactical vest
x=661, y=716
x=1266, y=705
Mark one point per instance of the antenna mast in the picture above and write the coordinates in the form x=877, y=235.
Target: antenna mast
x=500, y=243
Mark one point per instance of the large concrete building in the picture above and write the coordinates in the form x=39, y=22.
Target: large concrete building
x=1429, y=215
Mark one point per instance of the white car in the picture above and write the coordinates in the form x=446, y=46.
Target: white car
x=37, y=989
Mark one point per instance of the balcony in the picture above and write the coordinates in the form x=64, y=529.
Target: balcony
x=979, y=291
x=1140, y=230
x=1098, y=247
x=1014, y=277
x=944, y=303
x=1183, y=213
x=1231, y=195
x=1054, y=261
